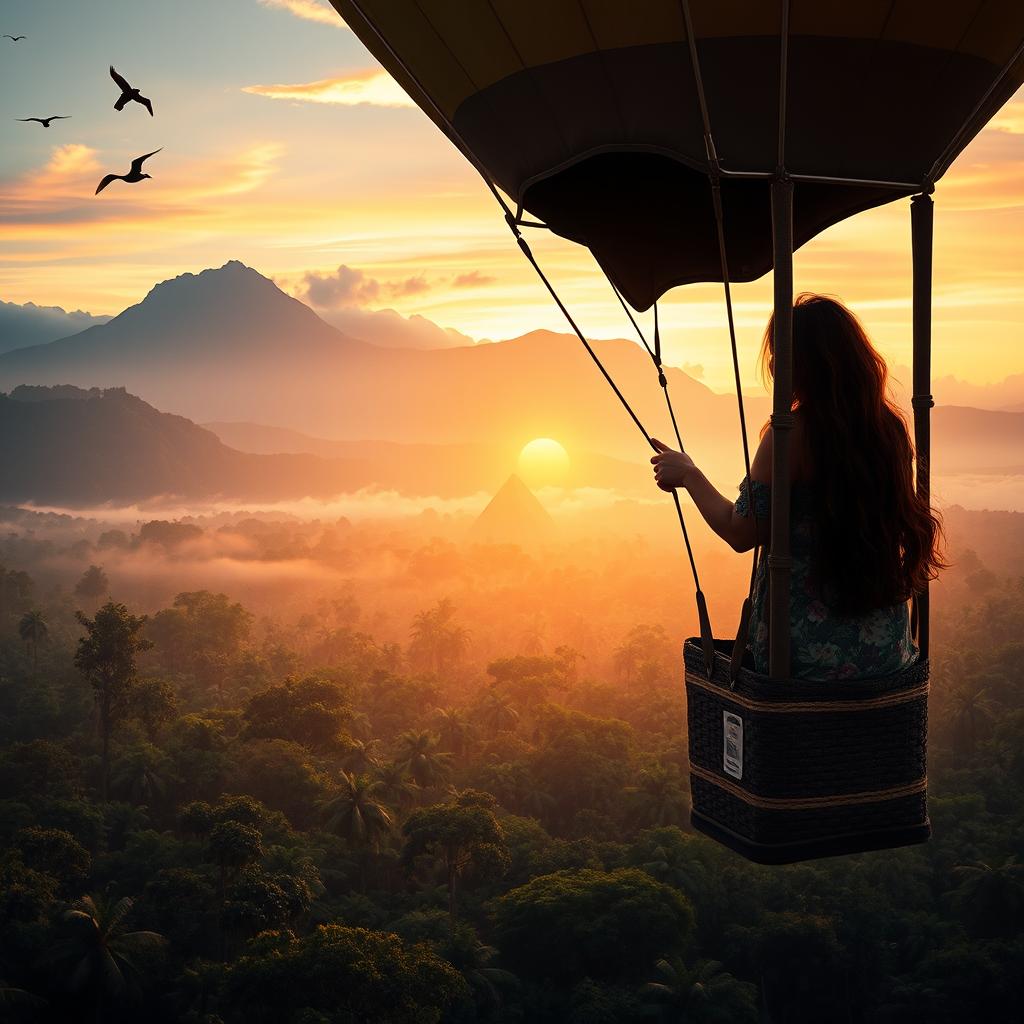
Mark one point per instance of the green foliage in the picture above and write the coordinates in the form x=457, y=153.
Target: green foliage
x=309, y=711
x=345, y=975
x=106, y=656
x=154, y=703
x=93, y=584
x=458, y=836
x=572, y=924
x=56, y=853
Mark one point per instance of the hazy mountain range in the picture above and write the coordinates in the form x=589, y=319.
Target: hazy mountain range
x=78, y=448
x=228, y=344
x=29, y=324
x=296, y=407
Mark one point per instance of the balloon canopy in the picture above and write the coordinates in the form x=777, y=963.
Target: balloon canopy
x=585, y=112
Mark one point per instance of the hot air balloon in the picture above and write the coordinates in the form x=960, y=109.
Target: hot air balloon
x=703, y=140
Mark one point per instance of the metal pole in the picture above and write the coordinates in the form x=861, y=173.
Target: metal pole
x=921, y=222
x=779, y=561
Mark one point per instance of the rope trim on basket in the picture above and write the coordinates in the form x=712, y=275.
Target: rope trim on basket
x=867, y=704
x=809, y=803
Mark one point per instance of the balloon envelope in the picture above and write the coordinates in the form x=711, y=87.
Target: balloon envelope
x=585, y=112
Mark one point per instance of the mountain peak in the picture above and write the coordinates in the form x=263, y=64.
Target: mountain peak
x=234, y=275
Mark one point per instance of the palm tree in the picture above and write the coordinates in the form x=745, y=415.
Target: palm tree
x=437, y=643
x=472, y=959
x=396, y=788
x=568, y=658
x=626, y=659
x=705, y=994
x=33, y=631
x=100, y=953
x=533, y=638
x=991, y=898
x=356, y=812
x=139, y=778
x=418, y=754
x=360, y=757
x=659, y=797
x=454, y=728
x=498, y=713
x=969, y=705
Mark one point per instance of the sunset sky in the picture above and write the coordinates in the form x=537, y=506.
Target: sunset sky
x=285, y=146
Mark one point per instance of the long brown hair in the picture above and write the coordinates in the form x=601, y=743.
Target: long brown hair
x=876, y=542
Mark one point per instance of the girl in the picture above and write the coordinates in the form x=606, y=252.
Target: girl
x=862, y=542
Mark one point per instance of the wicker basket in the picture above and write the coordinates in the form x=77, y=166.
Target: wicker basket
x=783, y=772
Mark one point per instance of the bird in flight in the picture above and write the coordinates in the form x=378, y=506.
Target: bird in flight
x=134, y=175
x=14, y=39
x=45, y=121
x=128, y=93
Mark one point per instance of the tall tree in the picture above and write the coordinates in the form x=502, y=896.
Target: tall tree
x=419, y=755
x=106, y=656
x=357, y=813
x=457, y=836
x=705, y=994
x=991, y=896
x=100, y=953
x=93, y=585
x=33, y=631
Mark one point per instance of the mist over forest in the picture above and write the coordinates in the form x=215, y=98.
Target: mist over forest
x=306, y=724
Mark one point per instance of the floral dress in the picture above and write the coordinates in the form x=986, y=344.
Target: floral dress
x=825, y=645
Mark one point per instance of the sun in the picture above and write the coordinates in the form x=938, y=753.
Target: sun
x=543, y=461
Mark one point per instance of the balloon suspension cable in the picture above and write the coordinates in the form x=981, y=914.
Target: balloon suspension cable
x=715, y=179
x=654, y=353
x=524, y=246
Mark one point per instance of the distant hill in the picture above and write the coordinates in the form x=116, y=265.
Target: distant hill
x=29, y=324
x=447, y=470
x=974, y=440
x=228, y=344
x=108, y=447
x=73, y=447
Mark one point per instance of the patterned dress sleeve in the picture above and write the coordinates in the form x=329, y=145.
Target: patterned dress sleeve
x=762, y=499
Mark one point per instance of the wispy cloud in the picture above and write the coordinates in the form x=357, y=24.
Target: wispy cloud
x=351, y=287
x=319, y=11
x=472, y=279
x=372, y=87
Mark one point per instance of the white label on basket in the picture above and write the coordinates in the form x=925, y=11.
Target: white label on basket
x=732, y=744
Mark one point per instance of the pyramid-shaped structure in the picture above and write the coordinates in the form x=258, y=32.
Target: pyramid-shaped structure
x=513, y=516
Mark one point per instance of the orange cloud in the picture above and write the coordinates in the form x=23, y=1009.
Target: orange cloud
x=310, y=10
x=372, y=87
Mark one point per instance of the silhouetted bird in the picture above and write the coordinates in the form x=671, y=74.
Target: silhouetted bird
x=14, y=39
x=45, y=121
x=128, y=93
x=134, y=175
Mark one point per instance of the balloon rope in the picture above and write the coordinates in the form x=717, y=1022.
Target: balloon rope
x=528, y=253
x=714, y=178
x=654, y=353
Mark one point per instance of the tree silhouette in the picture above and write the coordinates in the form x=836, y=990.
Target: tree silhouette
x=454, y=728
x=99, y=953
x=418, y=754
x=659, y=797
x=457, y=836
x=106, y=656
x=991, y=897
x=438, y=643
x=705, y=994
x=93, y=585
x=33, y=631
x=969, y=705
x=357, y=813
x=497, y=712
x=396, y=787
